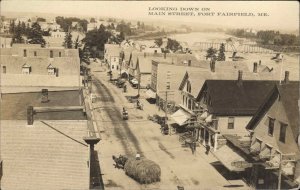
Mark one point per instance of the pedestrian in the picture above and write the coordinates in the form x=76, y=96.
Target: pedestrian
x=207, y=149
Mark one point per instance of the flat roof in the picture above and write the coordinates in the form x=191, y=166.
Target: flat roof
x=14, y=106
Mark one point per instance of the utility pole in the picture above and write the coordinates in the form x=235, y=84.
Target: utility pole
x=279, y=173
x=139, y=84
x=281, y=56
x=280, y=166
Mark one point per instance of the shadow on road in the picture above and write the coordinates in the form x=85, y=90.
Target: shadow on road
x=96, y=181
x=121, y=127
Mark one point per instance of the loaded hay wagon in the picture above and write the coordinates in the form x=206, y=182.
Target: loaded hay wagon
x=142, y=170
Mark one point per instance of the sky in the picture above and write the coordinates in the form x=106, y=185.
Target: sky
x=283, y=15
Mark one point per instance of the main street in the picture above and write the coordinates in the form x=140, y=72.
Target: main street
x=179, y=167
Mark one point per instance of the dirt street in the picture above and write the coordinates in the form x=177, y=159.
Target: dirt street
x=179, y=167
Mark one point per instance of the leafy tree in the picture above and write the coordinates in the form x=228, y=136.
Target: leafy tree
x=83, y=23
x=17, y=36
x=39, y=19
x=76, y=43
x=68, y=40
x=27, y=30
x=138, y=24
x=95, y=40
x=158, y=42
x=92, y=20
x=221, y=55
x=84, y=55
x=12, y=27
x=211, y=53
x=121, y=37
x=123, y=27
x=173, y=45
x=23, y=28
x=35, y=35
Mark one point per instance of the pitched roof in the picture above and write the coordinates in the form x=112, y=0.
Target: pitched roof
x=14, y=106
x=289, y=97
x=225, y=71
x=229, y=97
x=41, y=157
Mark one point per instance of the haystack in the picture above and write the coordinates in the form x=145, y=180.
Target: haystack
x=143, y=171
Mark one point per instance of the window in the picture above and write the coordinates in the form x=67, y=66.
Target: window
x=183, y=100
x=168, y=86
x=59, y=54
x=51, y=54
x=230, y=122
x=112, y=66
x=190, y=104
x=51, y=70
x=26, y=69
x=34, y=53
x=4, y=69
x=282, y=132
x=25, y=53
x=271, y=126
x=188, y=86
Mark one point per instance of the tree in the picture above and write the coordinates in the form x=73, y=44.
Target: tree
x=173, y=45
x=92, y=20
x=23, y=28
x=221, y=55
x=76, y=43
x=17, y=36
x=35, y=35
x=158, y=42
x=12, y=27
x=39, y=19
x=211, y=53
x=68, y=40
x=27, y=30
x=84, y=55
x=95, y=40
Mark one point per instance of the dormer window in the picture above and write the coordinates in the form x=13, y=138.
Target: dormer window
x=51, y=70
x=26, y=69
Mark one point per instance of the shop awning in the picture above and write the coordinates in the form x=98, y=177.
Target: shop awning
x=204, y=115
x=255, y=147
x=208, y=119
x=230, y=159
x=150, y=94
x=265, y=153
x=181, y=116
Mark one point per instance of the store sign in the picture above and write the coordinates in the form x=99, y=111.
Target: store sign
x=241, y=164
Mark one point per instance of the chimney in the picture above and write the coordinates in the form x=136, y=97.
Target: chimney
x=286, y=77
x=240, y=77
x=189, y=62
x=254, y=67
x=165, y=55
x=30, y=115
x=45, y=96
x=212, y=66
